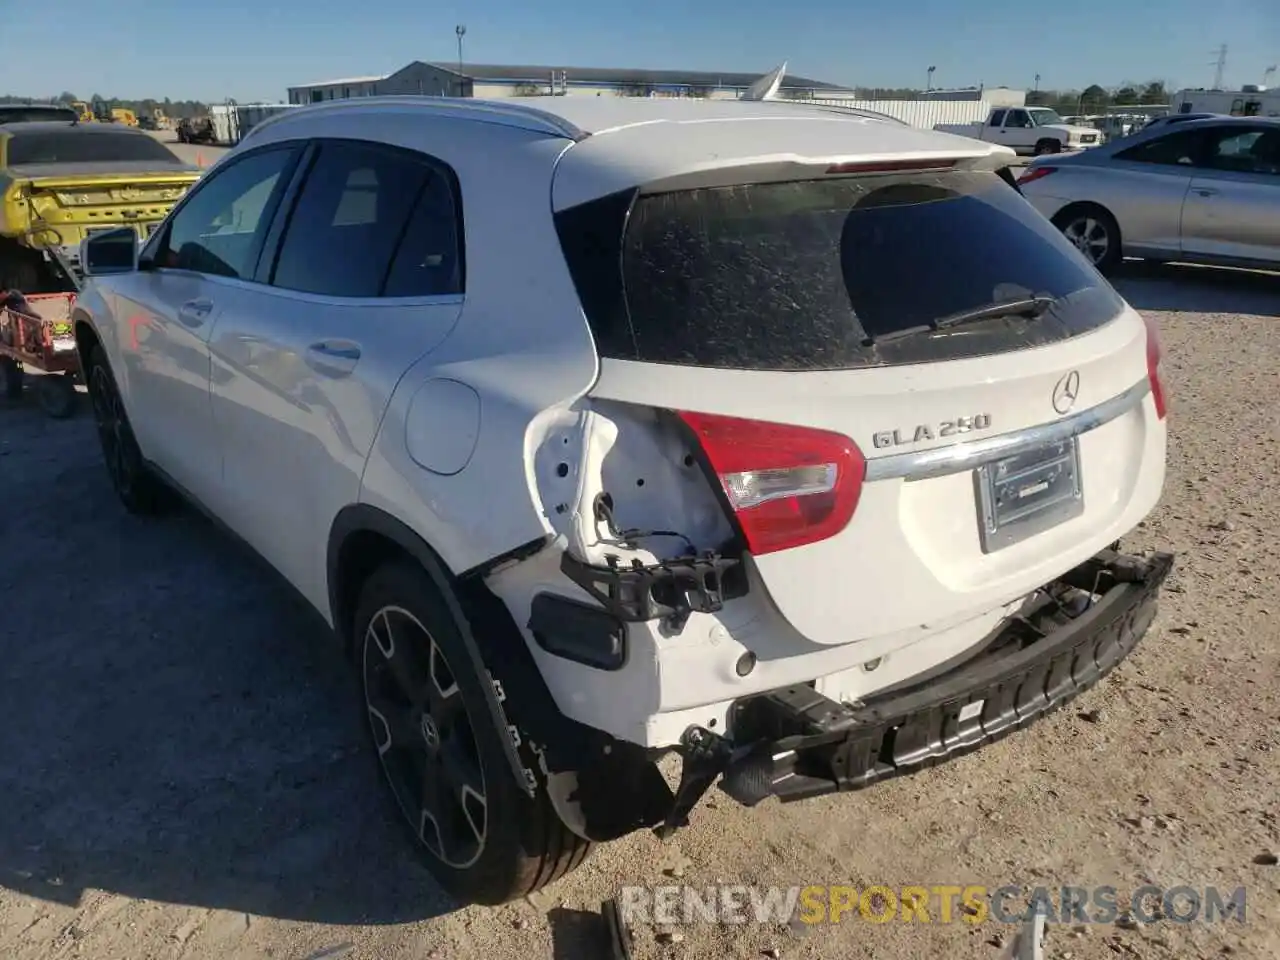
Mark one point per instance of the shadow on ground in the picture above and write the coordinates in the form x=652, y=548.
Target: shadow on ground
x=174, y=725
x=1191, y=289
x=578, y=935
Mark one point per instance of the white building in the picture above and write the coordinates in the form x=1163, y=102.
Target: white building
x=496, y=81
x=995, y=96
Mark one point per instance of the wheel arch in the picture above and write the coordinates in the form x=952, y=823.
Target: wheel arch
x=362, y=538
x=86, y=335
x=1076, y=206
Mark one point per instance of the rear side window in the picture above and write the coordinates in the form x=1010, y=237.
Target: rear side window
x=372, y=221
x=824, y=274
x=36, y=113
x=86, y=145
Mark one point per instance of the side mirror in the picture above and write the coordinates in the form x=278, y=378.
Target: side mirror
x=112, y=251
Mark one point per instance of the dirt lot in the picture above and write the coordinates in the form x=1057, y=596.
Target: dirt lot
x=197, y=153
x=183, y=770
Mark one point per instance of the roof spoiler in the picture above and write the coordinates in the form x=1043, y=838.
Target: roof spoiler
x=766, y=88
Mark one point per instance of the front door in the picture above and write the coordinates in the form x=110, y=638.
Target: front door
x=365, y=278
x=1018, y=131
x=1233, y=207
x=202, y=258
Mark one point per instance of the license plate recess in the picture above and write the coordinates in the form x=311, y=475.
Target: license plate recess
x=1027, y=493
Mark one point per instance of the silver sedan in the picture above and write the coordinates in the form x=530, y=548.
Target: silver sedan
x=1204, y=191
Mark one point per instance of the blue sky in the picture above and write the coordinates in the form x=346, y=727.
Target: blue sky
x=213, y=49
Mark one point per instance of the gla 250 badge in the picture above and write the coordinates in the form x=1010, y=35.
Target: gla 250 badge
x=929, y=431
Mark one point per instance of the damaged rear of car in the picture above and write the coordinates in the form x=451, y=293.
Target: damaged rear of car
x=796, y=444
x=845, y=498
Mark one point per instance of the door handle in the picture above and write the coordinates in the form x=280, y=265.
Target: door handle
x=336, y=351
x=1205, y=191
x=194, y=313
x=333, y=355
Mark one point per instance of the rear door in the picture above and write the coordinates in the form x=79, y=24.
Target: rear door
x=1145, y=187
x=1233, y=207
x=791, y=325
x=364, y=274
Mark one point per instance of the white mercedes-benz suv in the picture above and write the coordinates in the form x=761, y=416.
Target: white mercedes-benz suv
x=789, y=440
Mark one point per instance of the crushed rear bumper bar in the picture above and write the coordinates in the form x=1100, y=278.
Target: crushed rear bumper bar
x=795, y=743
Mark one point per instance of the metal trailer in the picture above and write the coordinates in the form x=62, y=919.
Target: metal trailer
x=232, y=121
x=1255, y=101
x=36, y=334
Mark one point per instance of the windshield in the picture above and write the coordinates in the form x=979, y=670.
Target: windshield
x=810, y=274
x=85, y=145
x=1043, y=115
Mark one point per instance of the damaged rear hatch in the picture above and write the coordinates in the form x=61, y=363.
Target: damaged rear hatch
x=918, y=401
x=64, y=182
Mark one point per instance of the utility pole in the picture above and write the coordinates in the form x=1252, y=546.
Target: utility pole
x=929, y=82
x=461, y=31
x=1221, y=67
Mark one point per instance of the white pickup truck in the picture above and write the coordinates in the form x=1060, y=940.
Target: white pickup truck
x=1026, y=130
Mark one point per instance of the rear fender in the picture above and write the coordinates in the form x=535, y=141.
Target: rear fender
x=363, y=518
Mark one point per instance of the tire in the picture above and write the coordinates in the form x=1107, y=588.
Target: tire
x=11, y=373
x=1094, y=232
x=1047, y=146
x=442, y=756
x=135, y=484
x=18, y=270
x=56, y=394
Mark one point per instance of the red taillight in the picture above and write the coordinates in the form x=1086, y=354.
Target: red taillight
x=1035, y=173
x=1155, y=352
x=787, y=485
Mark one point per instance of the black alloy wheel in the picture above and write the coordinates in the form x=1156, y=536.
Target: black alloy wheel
x=135, y=485
x=424, y=737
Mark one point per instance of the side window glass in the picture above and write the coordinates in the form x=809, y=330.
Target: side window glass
x=349, y=217
x=997, y=118
x=429, y=261
x=1245, y=151
x=217, y=230
x=1017, y=119
x=1175, y=149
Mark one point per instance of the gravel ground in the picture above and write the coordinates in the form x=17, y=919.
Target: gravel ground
x=183, y=770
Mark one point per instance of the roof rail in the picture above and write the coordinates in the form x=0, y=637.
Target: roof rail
x=514, y=115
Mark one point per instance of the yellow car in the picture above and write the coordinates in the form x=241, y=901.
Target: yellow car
x=62, y=181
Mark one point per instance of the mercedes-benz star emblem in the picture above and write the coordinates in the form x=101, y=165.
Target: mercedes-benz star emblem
x=430, y=732
x=1065, y=392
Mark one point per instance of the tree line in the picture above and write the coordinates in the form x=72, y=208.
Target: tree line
x=1094, y=98
x=172, y=108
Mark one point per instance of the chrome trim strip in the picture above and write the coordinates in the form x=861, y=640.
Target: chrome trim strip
x=959, y=457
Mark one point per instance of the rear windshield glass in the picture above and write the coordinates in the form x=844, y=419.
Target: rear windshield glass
x=27, y=114
x=85, y=146
x=821, y=274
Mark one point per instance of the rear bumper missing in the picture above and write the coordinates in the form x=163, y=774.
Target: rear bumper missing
x=794, y=743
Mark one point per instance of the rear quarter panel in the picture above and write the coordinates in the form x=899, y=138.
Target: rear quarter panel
x=1146, y=201
x=521, y=344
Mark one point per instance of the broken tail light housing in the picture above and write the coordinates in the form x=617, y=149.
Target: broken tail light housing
x=1155, y=353
x=786, y=485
